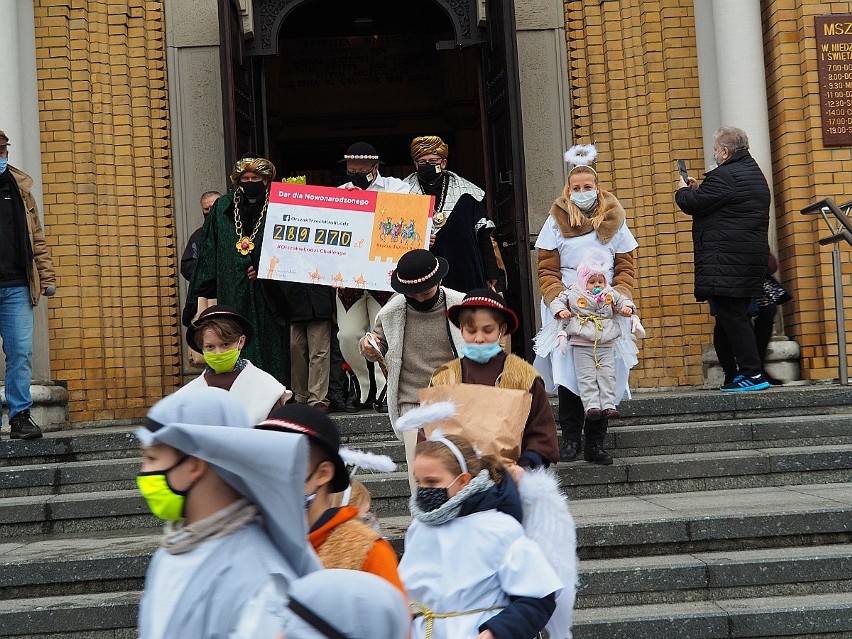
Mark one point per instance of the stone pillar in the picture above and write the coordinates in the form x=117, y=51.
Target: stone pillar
x=19, y=118
x=195, y=103
x=545, y=113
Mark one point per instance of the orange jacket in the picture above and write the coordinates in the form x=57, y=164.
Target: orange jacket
x=343, y=541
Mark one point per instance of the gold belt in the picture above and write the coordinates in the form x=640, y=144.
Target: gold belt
x=598, y=332
x=422, y=610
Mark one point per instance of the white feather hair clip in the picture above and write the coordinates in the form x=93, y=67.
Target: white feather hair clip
x=369, y=461
x=417, y=418
x=581, y=155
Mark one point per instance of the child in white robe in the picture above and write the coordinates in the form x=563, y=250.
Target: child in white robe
x=469, y=568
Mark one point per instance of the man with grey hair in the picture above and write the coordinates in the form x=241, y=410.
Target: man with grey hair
x=730, y=226
x=190, y=253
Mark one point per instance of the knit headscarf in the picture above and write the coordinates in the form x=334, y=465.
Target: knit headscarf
x=593, y=263
x=261, y=166
x=427, y=145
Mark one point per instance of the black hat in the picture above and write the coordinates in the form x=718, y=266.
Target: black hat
x=217, y=311
x=361, y=151
x=484, y=298
x=320, y=429
x=418, y=271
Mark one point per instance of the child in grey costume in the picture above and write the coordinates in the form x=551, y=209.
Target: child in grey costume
x=588, y=308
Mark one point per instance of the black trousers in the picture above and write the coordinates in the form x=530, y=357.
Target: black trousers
x=733, y=337
x=763, y=324
x=572, y=421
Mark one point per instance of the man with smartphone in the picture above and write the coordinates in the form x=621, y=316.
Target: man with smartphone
x=730, y=227
x=26, y=273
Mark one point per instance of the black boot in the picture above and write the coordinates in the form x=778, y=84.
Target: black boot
x=23, y=426
x=571, y=419
x=594, y=451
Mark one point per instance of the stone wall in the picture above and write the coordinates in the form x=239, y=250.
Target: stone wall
x=805, y=171
x=108, y=203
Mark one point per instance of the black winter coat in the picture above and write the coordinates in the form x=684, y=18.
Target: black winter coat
x=309, y=302
x=730, y=226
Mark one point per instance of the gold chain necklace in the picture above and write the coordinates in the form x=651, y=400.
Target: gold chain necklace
x=245, y=245
x=440, y=218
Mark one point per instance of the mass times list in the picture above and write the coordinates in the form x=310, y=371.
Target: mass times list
x=834, y=66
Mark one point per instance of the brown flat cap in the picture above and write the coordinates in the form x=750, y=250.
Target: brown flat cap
x=4, y=139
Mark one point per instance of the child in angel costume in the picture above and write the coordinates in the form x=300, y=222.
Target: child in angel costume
x=591, y=313
x=491, y=550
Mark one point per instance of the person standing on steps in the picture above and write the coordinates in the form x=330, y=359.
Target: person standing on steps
x=583, y=218
x=357, y=308
x=193, y=245
x=730, y=227
x=26, y=274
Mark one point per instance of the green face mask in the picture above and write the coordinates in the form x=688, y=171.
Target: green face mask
x=222, y=362
x=164, y=501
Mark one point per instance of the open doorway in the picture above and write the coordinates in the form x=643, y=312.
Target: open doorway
x=320, y=75
x=375, y=72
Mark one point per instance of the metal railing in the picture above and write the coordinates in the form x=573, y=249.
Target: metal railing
x=843, y=232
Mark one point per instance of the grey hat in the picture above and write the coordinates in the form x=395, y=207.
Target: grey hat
x=351, y=604
x=265, y=467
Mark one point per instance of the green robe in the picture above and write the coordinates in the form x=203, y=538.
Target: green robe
x=221, y=273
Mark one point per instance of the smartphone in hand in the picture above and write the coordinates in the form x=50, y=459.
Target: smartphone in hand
x=681, y=167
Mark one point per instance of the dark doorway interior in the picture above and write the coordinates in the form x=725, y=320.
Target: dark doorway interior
x=370, y=71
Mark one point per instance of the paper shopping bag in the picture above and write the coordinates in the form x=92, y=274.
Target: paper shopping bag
x=491, y=418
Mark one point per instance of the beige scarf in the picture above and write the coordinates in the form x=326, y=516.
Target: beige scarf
x=180, y=539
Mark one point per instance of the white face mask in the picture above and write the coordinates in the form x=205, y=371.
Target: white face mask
x=584, y=200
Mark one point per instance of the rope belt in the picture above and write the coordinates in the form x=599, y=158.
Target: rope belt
x=598, y=322
x=422, y=610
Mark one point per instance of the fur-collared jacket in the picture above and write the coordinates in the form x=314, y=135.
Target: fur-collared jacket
x=40, y=271
x=608, y=218
x=391, y=329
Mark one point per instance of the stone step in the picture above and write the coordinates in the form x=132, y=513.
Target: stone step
x=69, y=477
x=70, y=445
x=703, y=521
x=79, y=616
x=82, y=564
x=816, y=616
x=22, y=517
x=663, y=474
x=632, y=581
x=701, y=405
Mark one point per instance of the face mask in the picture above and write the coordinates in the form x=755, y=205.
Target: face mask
x=362, y=180
x=429, y=173
x=165, y=502
x=4, y=162
x=425, y=305
x=222, y=362
x=429, y=499
x=309, y=499
x=584, y=199
x=253, y=190
x=481, y=353
x=716, y=160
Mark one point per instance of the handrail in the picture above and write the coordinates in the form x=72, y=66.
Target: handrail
x=843, y=232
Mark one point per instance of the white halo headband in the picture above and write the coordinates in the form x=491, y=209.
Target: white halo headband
x=581, y=155
x=438, y=436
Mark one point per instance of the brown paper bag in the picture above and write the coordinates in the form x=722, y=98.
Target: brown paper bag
x=491, y=418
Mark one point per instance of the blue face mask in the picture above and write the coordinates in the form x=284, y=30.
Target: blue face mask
x=584, y=199
x=4, y=162
x=481, y=353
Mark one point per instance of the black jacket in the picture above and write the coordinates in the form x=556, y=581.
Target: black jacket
x=524, y=617
x=309, y=302
x=730, y=225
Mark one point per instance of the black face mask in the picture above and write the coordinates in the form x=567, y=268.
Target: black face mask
x=429, y=499
x=253, y=190
x=429, y=173
x=362, y=180
x=425, y=305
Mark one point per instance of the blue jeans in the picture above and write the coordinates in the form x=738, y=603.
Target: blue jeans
x=16, y=331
